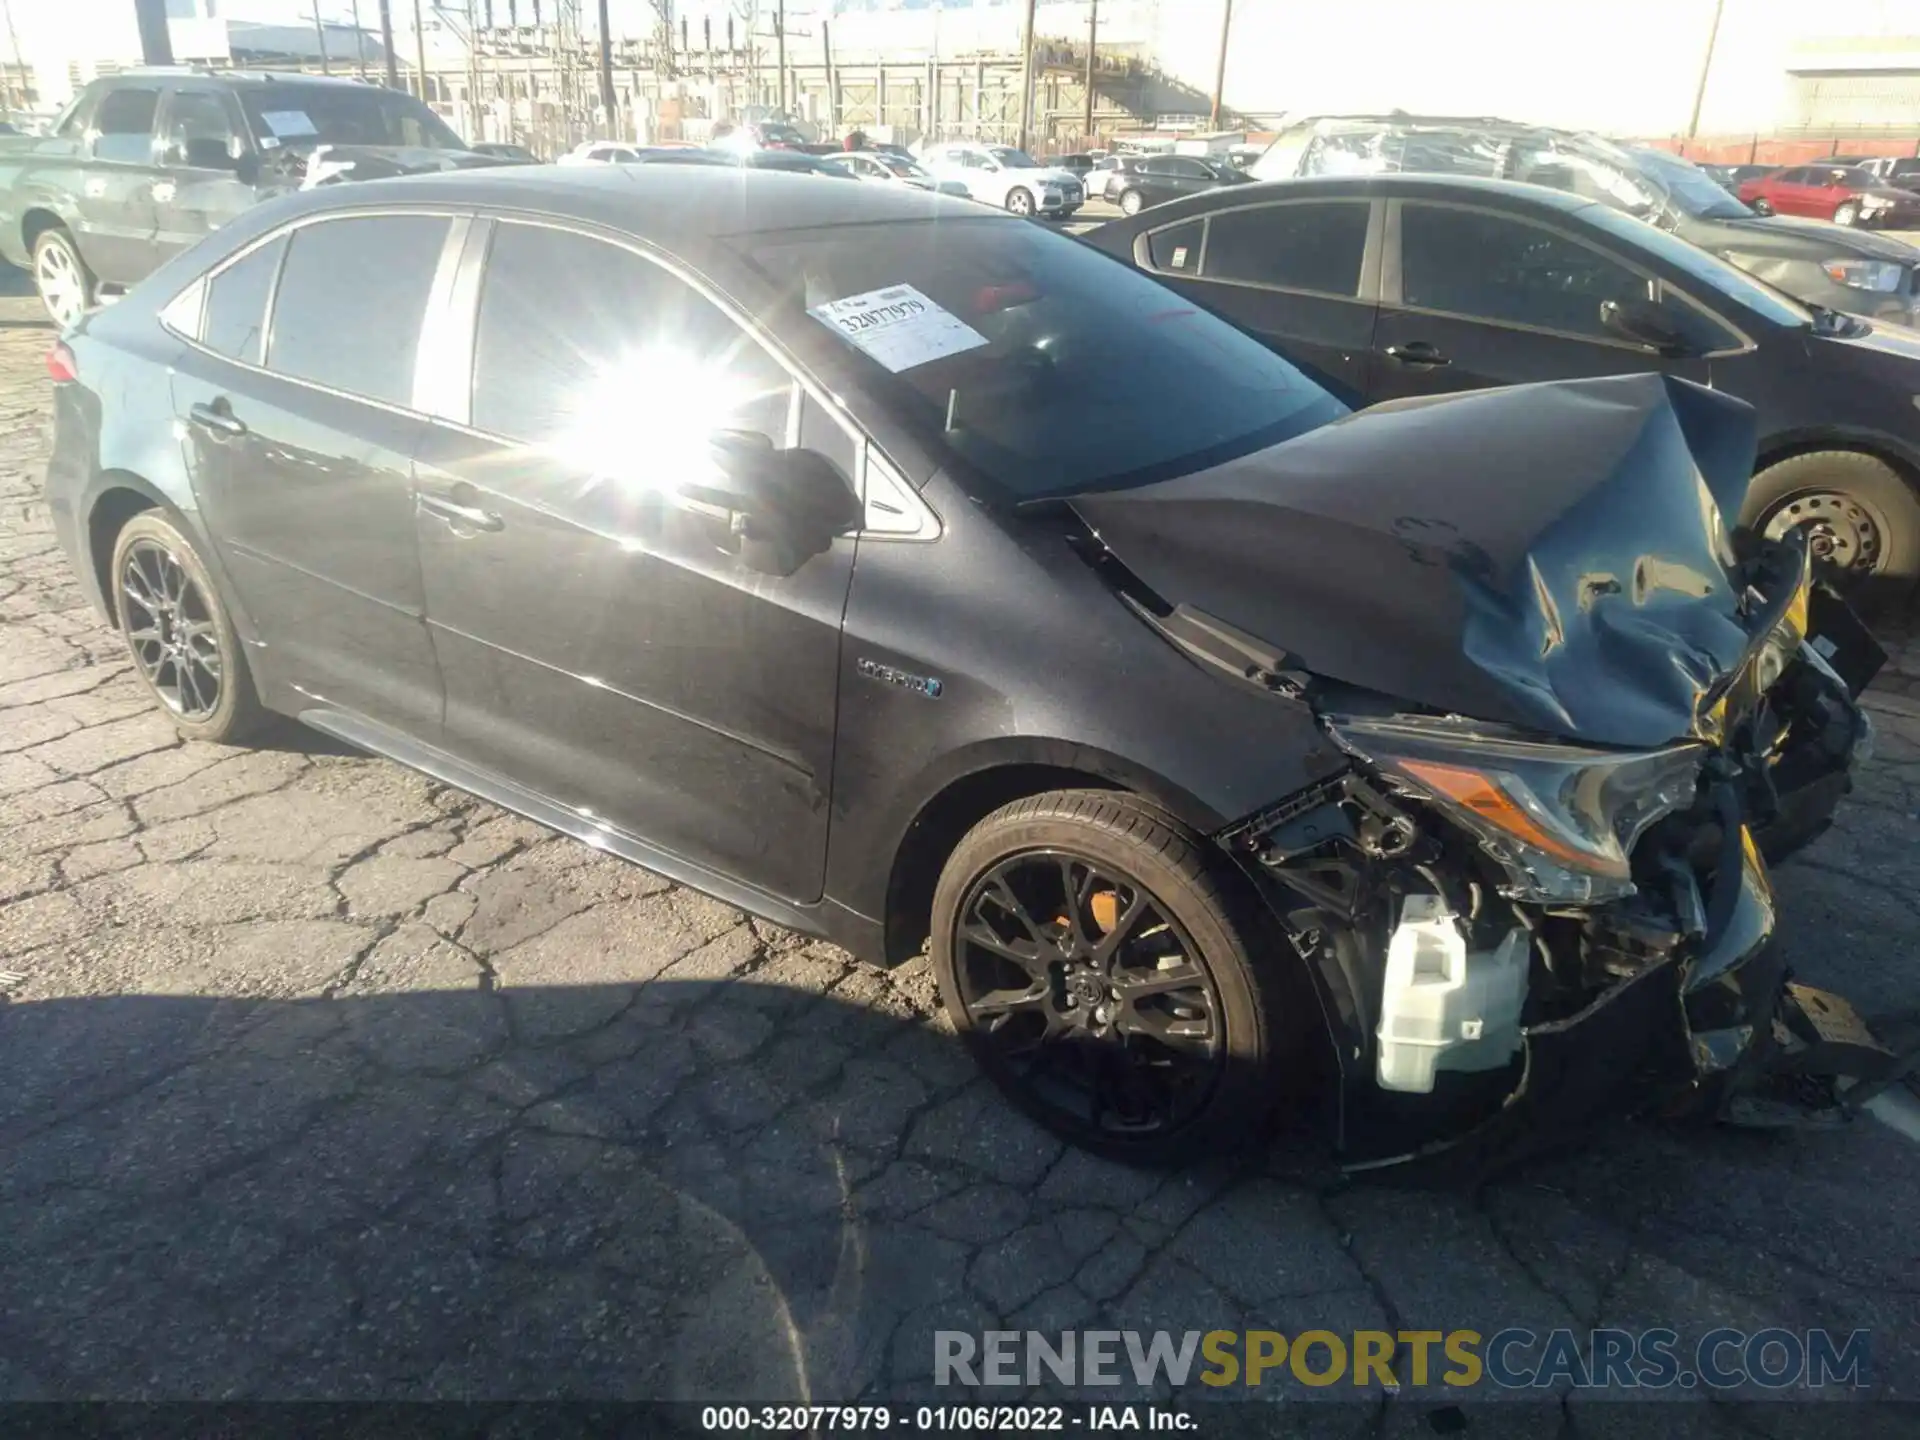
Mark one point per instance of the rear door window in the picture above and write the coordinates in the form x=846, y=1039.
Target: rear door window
x=351, y=297
x=1317, y=247
x=235, y=321
x=1489, y=267
x=123, y=124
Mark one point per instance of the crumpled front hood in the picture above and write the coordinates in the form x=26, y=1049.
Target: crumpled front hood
x=1792, y=235
x=1552, y=556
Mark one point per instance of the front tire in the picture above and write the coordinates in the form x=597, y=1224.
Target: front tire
x=1131, y=203
x=1863, y=519
x=1761, y=207
x=1847, y=214
x=179, y=633
x=1020, y=201
x=1113, y=976
x=66, y=286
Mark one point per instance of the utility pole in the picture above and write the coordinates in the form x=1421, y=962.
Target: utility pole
x=386, y=44
x=1706, y=68
x=833, y=80
x=606, y=68
x=779, y=49
x=1093, y=44
x=320, y=34
x=156, y=45
x=420, y=50
x=1220, y=73
x=1026, y=80
x=359, y=44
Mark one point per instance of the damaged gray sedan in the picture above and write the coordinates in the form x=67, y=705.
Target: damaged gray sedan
x=918, y=578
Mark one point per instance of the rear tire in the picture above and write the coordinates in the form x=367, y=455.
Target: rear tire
x=1188, y=1066
x=67, y=288
x=1863, y=514
x=1847, y=214
x=1131, y=203
x=178, y=632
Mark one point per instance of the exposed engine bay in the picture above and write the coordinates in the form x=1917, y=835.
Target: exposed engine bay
x=1579, y=722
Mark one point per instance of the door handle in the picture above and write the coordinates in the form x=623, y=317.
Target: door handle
x=460, y=516
x=1417, y=352
x=217, y=418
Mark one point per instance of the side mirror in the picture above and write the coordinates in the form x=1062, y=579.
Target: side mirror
x=1644, y=324
x=779, y=508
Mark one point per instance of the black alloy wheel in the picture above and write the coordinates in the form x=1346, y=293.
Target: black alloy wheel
x=170, y=630
x=178, y=632
x=1108, y=977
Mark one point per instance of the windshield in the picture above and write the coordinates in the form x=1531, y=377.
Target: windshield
x=302, y=116
x=1011, y=158
x=781, y=135
x=899, y=166
x=1042, y=365
x=1688, y=188
x=1697, y=264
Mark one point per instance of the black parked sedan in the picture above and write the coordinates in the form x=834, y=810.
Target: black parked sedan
x=1145, y=180
x=896, y=570
x=1402, y=285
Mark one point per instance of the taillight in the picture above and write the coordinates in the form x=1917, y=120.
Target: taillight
x=60, y=364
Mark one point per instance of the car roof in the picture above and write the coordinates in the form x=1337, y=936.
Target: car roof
x=241, y=79
x=674, y=206
x=1392, y=183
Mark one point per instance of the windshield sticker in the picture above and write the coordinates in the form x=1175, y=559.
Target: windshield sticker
x=288, y=124
x=898, y=326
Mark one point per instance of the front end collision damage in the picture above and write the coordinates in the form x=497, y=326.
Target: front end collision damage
x=1656, y=714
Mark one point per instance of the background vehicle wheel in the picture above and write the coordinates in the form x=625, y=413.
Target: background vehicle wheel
x=1761, y=207
x=1862, y=517
x=1847, y=214
x=65, y=283
x=1020, y=200
x=178, y=633
x=1113, y=977
x=1130, y=203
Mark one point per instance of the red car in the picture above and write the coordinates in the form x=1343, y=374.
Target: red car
x=1840, y=193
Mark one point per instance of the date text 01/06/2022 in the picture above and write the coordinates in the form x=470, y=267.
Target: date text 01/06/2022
x=1012, y=1419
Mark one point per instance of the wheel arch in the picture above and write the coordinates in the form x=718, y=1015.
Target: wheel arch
x=1903, y=457
x=36, y=220
x=982, y=785
x=121, y=496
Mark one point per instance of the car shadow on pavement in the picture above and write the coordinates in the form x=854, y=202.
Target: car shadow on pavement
x=732, y=1189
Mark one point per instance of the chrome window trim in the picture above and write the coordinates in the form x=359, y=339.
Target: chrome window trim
x=926, y=523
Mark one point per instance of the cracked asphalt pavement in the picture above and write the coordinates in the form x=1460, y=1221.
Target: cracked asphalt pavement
x=320, y=1079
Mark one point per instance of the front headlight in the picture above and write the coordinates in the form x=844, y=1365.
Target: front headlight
x=1561, y=820
x=1881, y=276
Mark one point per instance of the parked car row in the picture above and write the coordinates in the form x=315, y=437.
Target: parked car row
x=1397, y=286
x=145, y=163
x=1836, y=267
x=918, y=577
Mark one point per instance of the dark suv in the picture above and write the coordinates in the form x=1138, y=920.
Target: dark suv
x=1812, y=260
x=142, y=164
x=909, y=574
